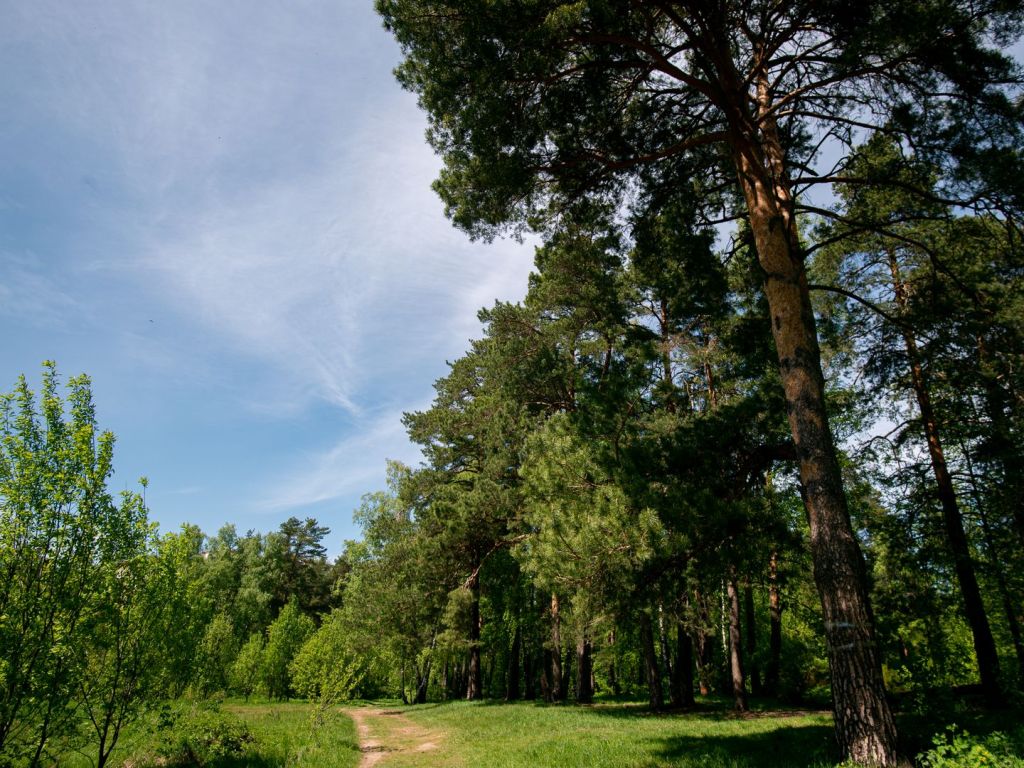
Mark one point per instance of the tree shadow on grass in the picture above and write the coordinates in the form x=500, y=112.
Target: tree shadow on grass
x=796, y=747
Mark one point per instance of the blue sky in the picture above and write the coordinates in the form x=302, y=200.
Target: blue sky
x=221, y=212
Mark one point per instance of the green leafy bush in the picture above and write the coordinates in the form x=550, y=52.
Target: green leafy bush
x=956, y=749
x=201, y=733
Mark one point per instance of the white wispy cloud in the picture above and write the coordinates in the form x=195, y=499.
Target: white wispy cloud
x=28, y=292
x=263, y=184
x=355, y=464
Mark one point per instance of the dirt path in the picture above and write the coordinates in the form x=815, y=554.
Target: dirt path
x=385, y=734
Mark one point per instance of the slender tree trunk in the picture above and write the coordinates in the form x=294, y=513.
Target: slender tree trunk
x=529, y=670
x=405, y=700
x=775, y=634
x=703, y=644
x=974, y=607
x=474, y=688
x=754, y=669
x=545, y=681
x=566, y=672
x=512, y=689
x=865, y=728
x=739, y=687
x=613, y=680
x=683, y=681
x=655, y=697
x=584, y=676
x=491, y=665
x=556, y=651
x=423, y=684
x=666, y=653
x=444, y=680
x=423, y=681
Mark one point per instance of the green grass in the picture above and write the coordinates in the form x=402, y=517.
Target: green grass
x=622, y=734
x=522, y=733
x=499, y=734
x=282, y=739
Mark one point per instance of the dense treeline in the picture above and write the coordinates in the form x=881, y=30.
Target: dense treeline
x=609, y=498
x=753, y=113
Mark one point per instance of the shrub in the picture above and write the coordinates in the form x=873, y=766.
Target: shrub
x=201, y=733
x=953, y=749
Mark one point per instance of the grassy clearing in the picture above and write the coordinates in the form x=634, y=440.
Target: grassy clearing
x=493, y=733
x=281, y=732
x=623, y=734
x=525, y=733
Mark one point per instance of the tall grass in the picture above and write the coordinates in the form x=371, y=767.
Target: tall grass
x=528, y=734
x=281, y=733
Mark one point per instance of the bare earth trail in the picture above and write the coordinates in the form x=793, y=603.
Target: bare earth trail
x=387, y=737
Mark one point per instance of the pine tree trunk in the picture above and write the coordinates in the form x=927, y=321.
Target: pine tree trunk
x=474, y=687
x=974, y=608
x=613, y=680
x=739, y=687
x=754, y=669
x=444, y=680
x=775, y=635
x=584, y=676
x=865, y=728
x=512, y=689
x=666, y=654
x=566, y=672
x=703, y=659
x=545, y=677
x=683, y=680
x=655, y=697
x=530, y=685
x=556, y=651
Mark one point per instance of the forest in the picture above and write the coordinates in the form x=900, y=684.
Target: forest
x=753, y=435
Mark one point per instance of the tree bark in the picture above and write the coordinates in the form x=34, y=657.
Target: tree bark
x=529, y=669
x=584, y=676
x=404, y=699
x=739, y=685
x=655, y=697
x=566, y=672
x=512, y=689
x=556, y=651
x=683, y=681
x=666, y=654
x=974, y=608
x=775, y=631
x=474, y=686
x=444, y=680
x=703, y=659
x=545, y=681
x=865, y=728
x=613, y=680
x=753, y=668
